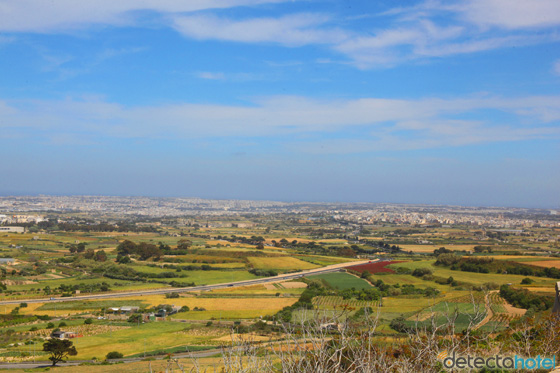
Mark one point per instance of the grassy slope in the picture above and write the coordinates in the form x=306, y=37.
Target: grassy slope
x=343, y=281
x=473, y=278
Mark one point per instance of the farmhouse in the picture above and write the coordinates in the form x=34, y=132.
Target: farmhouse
x=331, y=327
x=124, y=310
x=63, y=335
x=12, y=229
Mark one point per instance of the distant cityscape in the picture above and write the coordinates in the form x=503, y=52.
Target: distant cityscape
x=34, y=209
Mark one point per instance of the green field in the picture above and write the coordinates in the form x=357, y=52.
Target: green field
x=463, y=315
x=218, y=277
x=342, y=281
x=469, y=277
x=116, y=285
x=146, y=337
x=90, y=305
x=45, y=258
x=334, y=302
x=281, y=263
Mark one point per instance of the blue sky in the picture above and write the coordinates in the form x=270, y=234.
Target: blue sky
x=444, y=102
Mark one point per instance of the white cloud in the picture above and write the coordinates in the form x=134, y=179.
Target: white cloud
x=6, y=39
x=67, y=66
x=292, y=30
x=556, y=67
x=429, y=29
x=210, y=75
x=235, y=77
x=57, y=15
x=435, y=29
x=512, y=14
x=398, y=124
x=425, y=30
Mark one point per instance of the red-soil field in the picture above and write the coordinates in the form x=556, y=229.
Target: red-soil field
x=375, y=267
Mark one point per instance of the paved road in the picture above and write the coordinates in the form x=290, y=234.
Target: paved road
x=289, y=276
x=199, y=354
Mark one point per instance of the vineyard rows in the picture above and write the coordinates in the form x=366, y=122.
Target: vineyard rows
x=503, y=318
x=336, y=302
x=501, y=315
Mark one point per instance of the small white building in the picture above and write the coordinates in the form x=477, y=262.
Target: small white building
x=12, y=229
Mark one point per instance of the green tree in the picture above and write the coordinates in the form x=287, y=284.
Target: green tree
x=114, y=355
x=89, y=254
x=100, y=256
x=135, y=318
x=123, y=259
x=184, y=244
x=59, y=349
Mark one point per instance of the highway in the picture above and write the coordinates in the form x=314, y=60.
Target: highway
x=284, y=277
x=198, y=354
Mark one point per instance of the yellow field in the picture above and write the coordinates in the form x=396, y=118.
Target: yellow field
x=431, y=248
x=141, y=366
x=527, y=257
x=289, y=239
x=403, y=305
x=145, y=337
x=226, y=243
x=224, y=308
x=205, y=258
x=540, y=289
x=261, y=290
x=265, y=306
x=32, y=309
x=334, y=241
x=229, y=265
x=546, y=263
x=282, y=263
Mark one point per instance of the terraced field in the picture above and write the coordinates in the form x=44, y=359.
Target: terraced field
x=334, y=302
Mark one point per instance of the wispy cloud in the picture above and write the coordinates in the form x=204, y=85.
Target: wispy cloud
x=425, y=30
x=399, y=124
x=67, y=67
x=441, y=29
x=234, y=77
x=556, y=67
x=291, y=30
x=512, y=14
x=210, y=75
x=59, y=15
x=6, y=39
